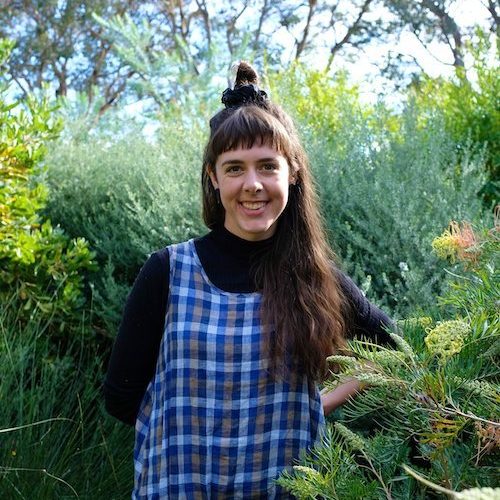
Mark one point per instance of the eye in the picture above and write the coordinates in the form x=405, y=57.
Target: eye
x=269, y=167
x=233, y=169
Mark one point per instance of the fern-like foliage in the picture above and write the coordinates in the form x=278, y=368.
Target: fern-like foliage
x=432, y=404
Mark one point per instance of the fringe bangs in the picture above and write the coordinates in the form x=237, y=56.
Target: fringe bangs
x=247, y=127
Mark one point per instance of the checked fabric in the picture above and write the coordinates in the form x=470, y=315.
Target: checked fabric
x=213, y=423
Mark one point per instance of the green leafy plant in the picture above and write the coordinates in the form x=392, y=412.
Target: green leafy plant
x=429, y=409
x=55, y=438
x=470, y=108
x=133, y=195
x=38, y=261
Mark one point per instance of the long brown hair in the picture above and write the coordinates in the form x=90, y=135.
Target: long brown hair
x=303, y=307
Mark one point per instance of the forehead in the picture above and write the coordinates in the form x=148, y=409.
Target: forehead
x=255, y=153
x=240, y=131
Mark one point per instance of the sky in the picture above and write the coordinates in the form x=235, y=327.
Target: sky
x=435, y=62
x=364, y=69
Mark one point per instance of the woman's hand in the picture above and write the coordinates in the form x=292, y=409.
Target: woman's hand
x=333, y=399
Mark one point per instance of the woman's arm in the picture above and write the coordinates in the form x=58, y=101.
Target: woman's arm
x=135, y=351
x=366, y=318
x=338, y=396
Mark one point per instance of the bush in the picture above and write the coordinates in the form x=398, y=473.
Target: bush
x=430, y=408
x=127, y=197
x=386, y=183
x=38, y=261
x=470, y=110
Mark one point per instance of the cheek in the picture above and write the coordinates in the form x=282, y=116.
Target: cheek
x=285, y=189
x=227, y=189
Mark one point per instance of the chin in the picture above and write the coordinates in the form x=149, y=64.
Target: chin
x=259, y=233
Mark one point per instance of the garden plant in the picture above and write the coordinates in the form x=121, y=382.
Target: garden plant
x=428, y=420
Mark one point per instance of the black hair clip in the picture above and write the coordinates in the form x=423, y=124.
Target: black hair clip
x=244, y=94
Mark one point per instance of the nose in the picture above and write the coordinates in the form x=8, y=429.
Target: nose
x=251, y=182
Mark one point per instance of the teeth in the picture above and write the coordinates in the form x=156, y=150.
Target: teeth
x=253, y=205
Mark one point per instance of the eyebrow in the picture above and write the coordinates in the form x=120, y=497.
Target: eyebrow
x=239, y=162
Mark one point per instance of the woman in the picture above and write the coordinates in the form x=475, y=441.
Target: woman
x=224, y=338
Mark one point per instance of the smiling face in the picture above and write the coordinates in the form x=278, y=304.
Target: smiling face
x=253, y=185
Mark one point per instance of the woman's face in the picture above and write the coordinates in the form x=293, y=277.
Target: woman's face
x=253, y=185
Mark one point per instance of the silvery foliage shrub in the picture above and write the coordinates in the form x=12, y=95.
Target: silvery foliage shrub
x=129, y=193
x=386, y=193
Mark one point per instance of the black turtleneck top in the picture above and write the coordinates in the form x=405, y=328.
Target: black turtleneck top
x=227, y=260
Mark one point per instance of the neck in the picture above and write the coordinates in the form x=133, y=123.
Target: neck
x=228, y=259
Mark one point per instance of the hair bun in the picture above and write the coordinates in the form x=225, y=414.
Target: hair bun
x=246, y=90
x=245, y=75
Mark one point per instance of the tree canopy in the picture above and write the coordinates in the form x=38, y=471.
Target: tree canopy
x=73, y=44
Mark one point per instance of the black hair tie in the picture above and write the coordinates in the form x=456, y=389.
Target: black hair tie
x=244, y=94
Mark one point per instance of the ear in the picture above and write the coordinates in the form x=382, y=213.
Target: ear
x=213, y=178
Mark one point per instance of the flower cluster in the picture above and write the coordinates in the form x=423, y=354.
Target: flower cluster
x=447, y=338
x=374, y=379
x=351, y=438
x=480, y=388
x=457, y=242
x=478, y=494
x=415, y=322
x=343, y=360
x=387, y=358
x=309, y=471
x=402, y=345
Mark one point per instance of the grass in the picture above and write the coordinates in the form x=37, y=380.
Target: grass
x=56, y=440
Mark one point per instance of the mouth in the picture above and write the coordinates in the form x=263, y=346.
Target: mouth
x=253, y=205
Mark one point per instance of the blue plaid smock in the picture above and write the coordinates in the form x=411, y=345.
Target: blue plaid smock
x=213, y=424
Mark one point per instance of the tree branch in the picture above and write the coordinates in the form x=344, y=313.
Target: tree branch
x=106, y=47
x=424, y=45
x=494, y=14
x=449, y=27
x=263, y=14
x=25, y=91
x=351, y=30
x=305, y=33
x=111, y=95
x=202, y=6
x=231, y=25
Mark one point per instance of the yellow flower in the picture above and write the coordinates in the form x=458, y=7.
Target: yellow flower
x=306, y=470
x=445, y=246
x=457, y=242
x=447, y=338
x=478, y=494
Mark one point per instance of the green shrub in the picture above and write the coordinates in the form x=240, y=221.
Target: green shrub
x=470, y=109
x=430, y=409
x=38, y=261
x=55, y=439
x=128, y=198
x=386, y=183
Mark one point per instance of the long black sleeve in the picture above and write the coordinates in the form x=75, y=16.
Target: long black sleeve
x=135, y=351
x=366, y=319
